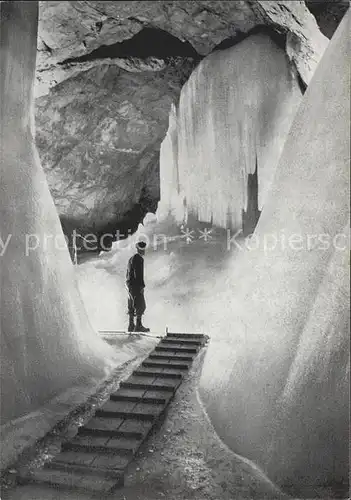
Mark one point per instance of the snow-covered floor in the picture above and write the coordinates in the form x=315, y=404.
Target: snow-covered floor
x=184, y=282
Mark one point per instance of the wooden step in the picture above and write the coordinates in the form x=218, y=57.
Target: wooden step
x=176, y=356
x=179, y=365
x=152, y=383
x=126, y=397
x=162, y=373
x=99, y=444
x=125, y=415
x=183, y=341
x=90, y=462
x=84, y=481
x=160, y=387
x=143, y=411
x=131, y=395
x=176, y=348
x=197, y=336
x=96, y=429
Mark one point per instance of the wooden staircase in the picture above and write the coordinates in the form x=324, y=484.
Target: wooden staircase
x=96, y=459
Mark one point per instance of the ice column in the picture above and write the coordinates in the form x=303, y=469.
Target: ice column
x=46, y=341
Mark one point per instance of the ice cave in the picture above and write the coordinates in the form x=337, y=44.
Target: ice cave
x=219, y=134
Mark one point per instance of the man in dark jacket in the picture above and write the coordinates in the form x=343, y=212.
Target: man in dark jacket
x=135, y=284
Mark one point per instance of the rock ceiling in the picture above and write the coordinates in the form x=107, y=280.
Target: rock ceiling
x=70, y=30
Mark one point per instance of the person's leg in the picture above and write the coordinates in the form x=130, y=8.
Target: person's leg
x=140, y=307
x=131, y=312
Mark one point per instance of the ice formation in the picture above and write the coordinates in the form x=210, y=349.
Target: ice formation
x=234, y=113
x=47, y=342
x=276, y=378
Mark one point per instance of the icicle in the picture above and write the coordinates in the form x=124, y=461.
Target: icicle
x=237, y=106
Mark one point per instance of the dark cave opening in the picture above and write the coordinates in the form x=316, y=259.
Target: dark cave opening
x=149, y=42
x=328, y=14
x=278, y=37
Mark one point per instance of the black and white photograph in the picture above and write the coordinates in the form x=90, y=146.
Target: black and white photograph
x=175, y=250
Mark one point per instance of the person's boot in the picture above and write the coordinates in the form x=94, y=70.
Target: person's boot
x=139, y=327
x=131, y=325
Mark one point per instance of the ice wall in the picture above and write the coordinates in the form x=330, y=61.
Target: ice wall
x=234, y=111
x=47, y=343
x=275, y=380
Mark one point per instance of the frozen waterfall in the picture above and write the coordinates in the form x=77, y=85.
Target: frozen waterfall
x=234, y=113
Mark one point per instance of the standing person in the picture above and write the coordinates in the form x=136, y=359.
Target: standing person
x=135, y=284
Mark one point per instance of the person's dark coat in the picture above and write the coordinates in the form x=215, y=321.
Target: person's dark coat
x=135, y=284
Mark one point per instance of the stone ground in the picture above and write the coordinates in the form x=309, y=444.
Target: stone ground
x=183, y=460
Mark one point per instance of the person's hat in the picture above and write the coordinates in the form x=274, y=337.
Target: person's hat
x=141, y=245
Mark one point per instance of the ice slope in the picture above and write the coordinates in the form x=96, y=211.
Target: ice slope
x=276, y=377
x=47, y=342
x=234, y=113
